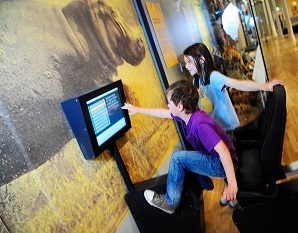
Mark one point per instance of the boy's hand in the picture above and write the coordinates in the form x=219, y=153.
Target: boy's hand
x=131, y=109
x=230, y=193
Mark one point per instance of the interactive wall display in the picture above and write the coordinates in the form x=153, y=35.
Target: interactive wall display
x=96, y=118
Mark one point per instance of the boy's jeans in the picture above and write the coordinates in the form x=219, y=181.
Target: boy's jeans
x=193, y=161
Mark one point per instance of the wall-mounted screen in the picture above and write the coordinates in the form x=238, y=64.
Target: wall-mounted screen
x=97, y=119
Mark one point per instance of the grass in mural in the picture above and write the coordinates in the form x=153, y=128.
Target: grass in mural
x=66, y=194
x=70, y=193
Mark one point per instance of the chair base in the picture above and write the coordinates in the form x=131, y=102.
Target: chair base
x=275, y=216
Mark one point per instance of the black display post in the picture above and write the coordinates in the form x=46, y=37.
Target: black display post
x=121, y=166
x=189, y=216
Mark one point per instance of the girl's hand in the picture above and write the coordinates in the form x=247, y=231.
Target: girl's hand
x=273, y=83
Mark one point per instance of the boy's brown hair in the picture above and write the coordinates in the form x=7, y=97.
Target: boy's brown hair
x=185, y=93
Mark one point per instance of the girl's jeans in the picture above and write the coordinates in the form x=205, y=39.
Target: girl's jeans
x=192, y=161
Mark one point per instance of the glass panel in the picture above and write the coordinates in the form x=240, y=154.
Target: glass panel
x=227, y=28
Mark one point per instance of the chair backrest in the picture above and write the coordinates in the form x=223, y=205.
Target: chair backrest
x=271, y=128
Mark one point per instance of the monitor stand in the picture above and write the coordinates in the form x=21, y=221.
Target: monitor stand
x=121, y=166
x=188, y=217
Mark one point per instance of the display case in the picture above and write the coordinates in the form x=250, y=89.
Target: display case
x=229, y=30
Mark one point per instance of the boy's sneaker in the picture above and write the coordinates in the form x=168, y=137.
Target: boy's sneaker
x=206, y=183
x=209, y=188
x=158, y=201
x=225, y=202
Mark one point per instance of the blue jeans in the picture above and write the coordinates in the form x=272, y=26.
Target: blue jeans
x=189, y=161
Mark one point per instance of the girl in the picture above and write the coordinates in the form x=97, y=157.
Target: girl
x=199, y=62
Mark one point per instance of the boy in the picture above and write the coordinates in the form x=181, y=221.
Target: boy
x=214, y=153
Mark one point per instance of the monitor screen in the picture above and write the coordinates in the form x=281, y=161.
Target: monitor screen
x=106, y=121
x=106, y=115
x=103, y=120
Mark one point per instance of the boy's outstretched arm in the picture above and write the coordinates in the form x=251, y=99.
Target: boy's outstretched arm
x=230, y=192
x=156, y=112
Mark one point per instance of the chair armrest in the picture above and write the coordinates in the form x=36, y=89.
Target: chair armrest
x=252, y=194
x=249, y=142
x=246, y=134
x=247, y=198
x=241, y=145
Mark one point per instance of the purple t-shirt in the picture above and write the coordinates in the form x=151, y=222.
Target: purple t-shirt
x=203, y=133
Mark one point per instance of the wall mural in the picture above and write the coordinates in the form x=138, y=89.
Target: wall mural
x=51, y=51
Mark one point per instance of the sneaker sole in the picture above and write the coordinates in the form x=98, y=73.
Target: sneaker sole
x=150, y=203
x=230, y=203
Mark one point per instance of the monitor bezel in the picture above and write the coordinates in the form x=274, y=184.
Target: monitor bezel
x=110, y=142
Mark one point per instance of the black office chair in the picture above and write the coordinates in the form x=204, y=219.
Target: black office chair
x=260, y=156
x=265, y=205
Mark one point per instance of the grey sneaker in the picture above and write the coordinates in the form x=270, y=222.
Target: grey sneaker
x=225, y=202
x=158, y=201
